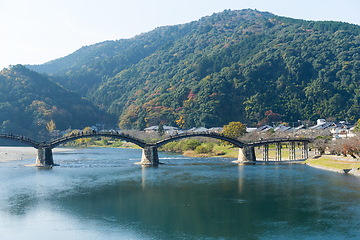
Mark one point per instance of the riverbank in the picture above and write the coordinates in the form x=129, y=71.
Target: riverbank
x=21, y=153
x=334, y=163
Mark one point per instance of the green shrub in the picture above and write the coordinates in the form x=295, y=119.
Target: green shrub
x=209, y=146
x=169, y=147
x=200, y=149
x=180, y=146
x=204, y=148
x=104, y=141
x=191, y=144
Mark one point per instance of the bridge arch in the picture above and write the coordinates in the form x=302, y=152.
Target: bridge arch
x=21, y=139
x=121, y=136
x=209, y=135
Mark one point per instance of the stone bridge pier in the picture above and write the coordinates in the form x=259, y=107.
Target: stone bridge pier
x=44, y=157
x=246, y=155
x=150, y=155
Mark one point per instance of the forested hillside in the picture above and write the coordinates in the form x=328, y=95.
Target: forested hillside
x=84, y=56
x=28, y=101
x=248, y=66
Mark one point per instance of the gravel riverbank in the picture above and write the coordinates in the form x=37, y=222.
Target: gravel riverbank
x=20, y=153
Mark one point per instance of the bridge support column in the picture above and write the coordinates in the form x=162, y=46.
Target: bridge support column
x=278, y=151
x=292, y=151
x=246, y=155
x=266, y=152
x=304, y=151
x=149, y=156
x=44, y=157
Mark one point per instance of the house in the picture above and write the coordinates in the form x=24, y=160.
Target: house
x=264, y=128
x=321, y=125
x=151, y=129
x=281, y=128
x=94, y=128
x=250, y=129
x=342, y=130
x=200, y=130
x=167, y=129
x=299, y=128
x=216, y=129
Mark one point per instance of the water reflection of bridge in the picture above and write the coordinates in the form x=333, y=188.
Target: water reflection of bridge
x=150, y=150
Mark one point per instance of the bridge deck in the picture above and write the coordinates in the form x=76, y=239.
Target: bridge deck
x=142, y=143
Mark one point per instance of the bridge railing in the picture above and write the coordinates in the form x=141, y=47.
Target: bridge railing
x=185, y=134
x=20, y=138
x=210, y=134
x=239, y=142
x=142, y=142
x=196, y=133
x=75, y=136
x=261, y=140
x=274, y=140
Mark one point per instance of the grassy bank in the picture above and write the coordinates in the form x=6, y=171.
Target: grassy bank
x=334, y=162
x=196, y=148
x=218, y=151
x=228, y=152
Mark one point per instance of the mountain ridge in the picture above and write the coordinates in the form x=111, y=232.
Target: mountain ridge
x=29, y=100
x=233, y=65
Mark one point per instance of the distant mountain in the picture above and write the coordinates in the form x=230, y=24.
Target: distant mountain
x=248, y=66
x=28, y=101
x=84, y=56
x=84, y=70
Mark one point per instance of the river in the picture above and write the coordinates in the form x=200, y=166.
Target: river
x=99, y=193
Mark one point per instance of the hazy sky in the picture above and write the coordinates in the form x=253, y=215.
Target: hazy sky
x=37, y=31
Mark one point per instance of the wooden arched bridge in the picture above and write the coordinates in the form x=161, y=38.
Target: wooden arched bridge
x=150, y=152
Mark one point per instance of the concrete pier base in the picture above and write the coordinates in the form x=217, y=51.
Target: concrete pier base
x=246, y=155
x=44, y=157
x=149, y=156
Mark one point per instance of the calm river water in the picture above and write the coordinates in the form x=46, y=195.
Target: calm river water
x=99, y=193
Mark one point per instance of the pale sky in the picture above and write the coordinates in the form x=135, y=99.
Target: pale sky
x=37, y=31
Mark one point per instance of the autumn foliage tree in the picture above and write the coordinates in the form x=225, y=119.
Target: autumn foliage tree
x=351, y=146
x=270, y=117
x=234, y=130
x=50, y=126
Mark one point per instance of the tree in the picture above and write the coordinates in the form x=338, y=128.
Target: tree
x=50, y=126
x=87, y=129
x=161, y=129
x=234, y=130
x=357, y=126
x=181, y=122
